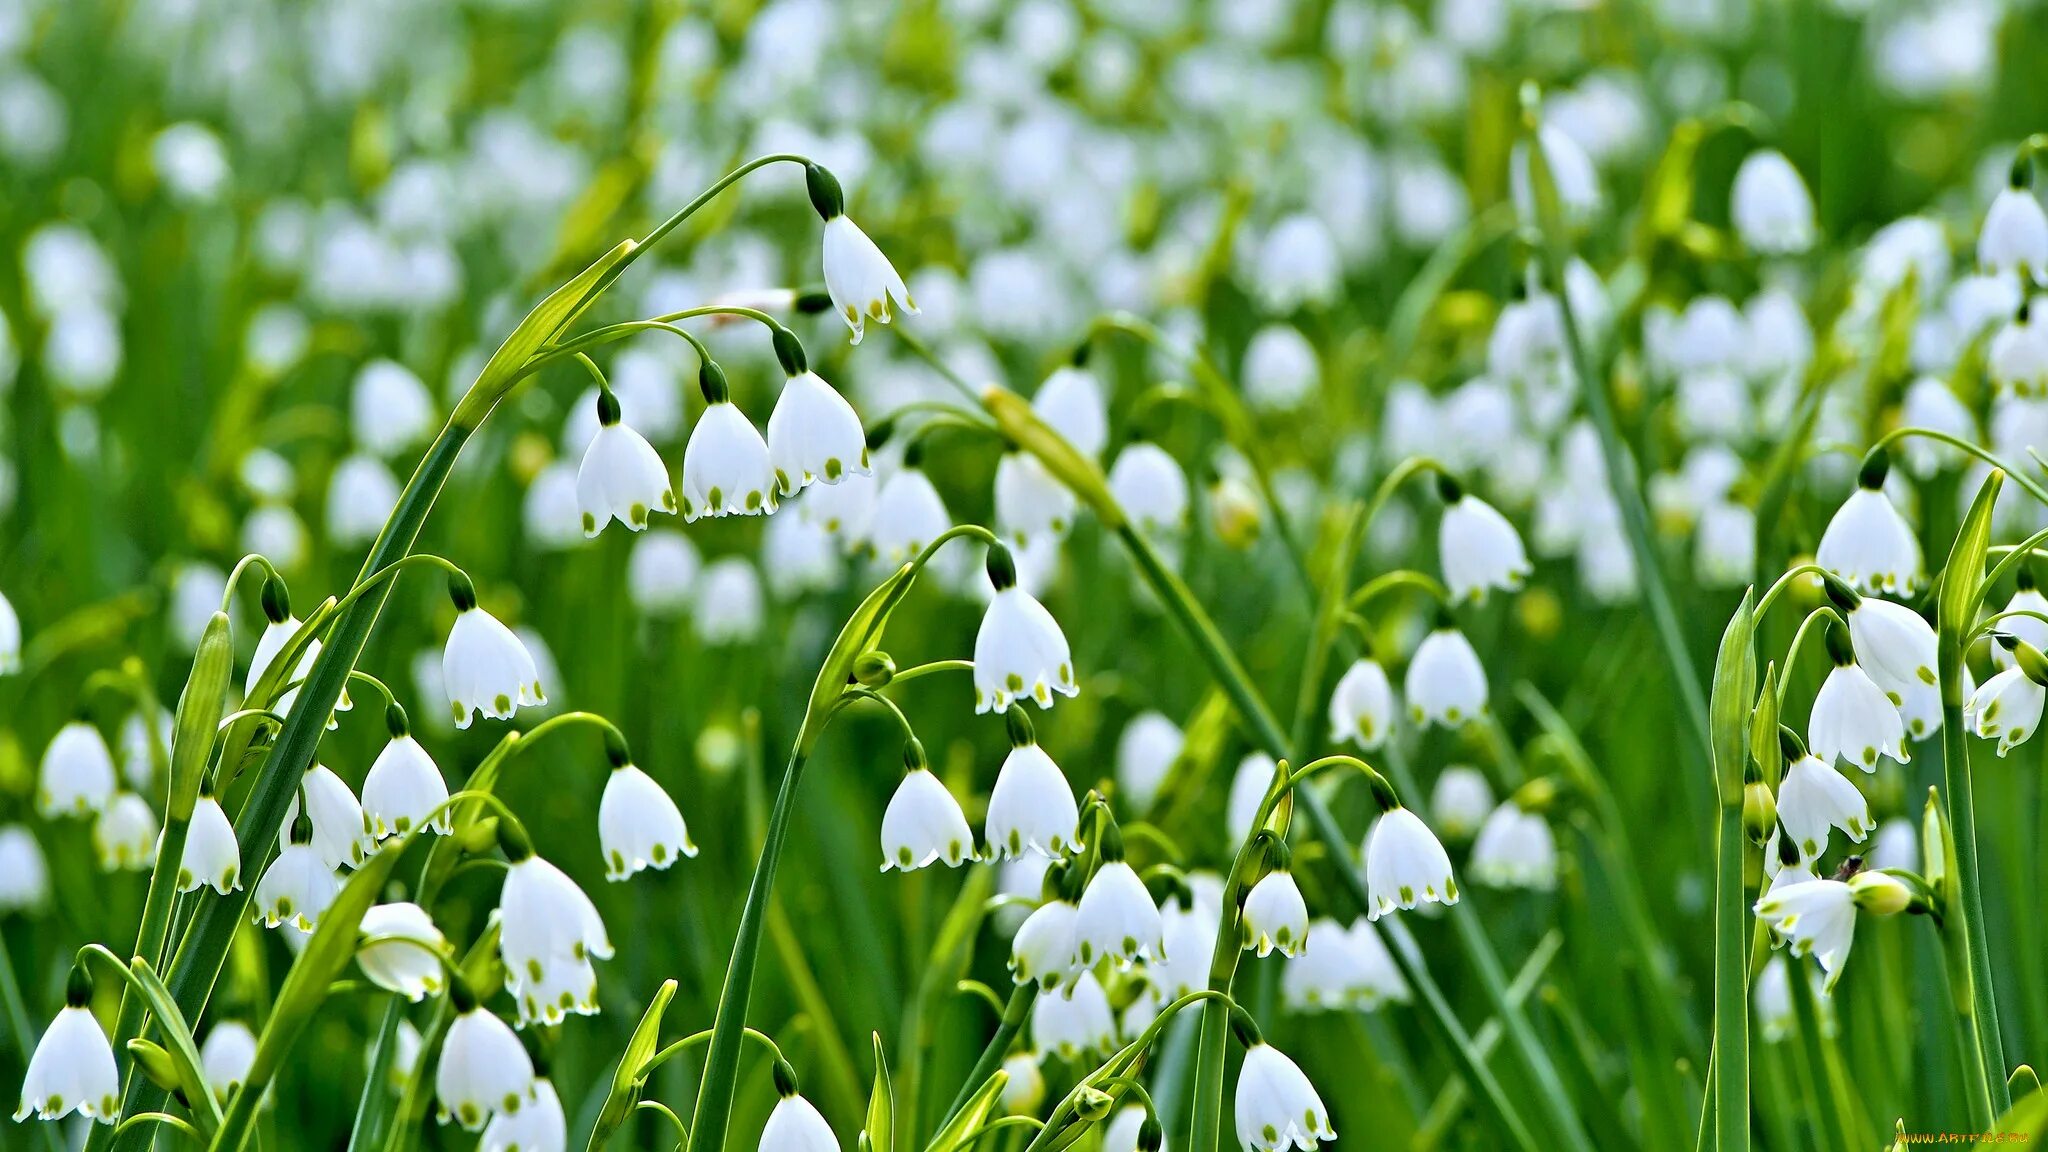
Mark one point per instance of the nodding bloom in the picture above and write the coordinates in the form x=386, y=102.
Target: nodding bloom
x=1276, y=1105
x=725, y=464
x=1076, y=1024
x=844, y=510
x=279, y=629
x=1362, y=705
x=1770, y=206
x=298, y=886
x=404, y=785
x=360, y=497
x=2026, y=597
x=1894, y=644
x=1030, y=501
x=1025, y=1090
x=1852, y=717
x=1043, y=948
x=1571, y=172
x=1071, y=404
x=212, y=855
x=226, y=1055
x=2008, y=706
x=1342, y=968
x=860, y=280
x=73, y=1066
x=485, y=668
x=1868, y=544
x=814, y=435
x=795, y=1124
x=340, y=834
x=401, y=950
x=1187, y=929
x=2014, y=239
x=125, y=834
x=1818, y=917
x=1814, y=797
x=484, y=1070
x=1247, y=791
x=1117, y=917
x=77, y=772
x=1275, y=915
x=539, y=1126
x=923, y=822
x=622, y=477
x=661, y=574
x=1515, y=849
x=1019, y=650
x=10, y=638
x=2017, y=357
x=1405, y=864
x=1461, y=801
x=1149, y=485
x=548, y=933
x=1145, y=753
x=1031, y=807
x=1477, y=546
x=24, y=873
x=1126, y=1131
x=1445, y=684
x=638, y=824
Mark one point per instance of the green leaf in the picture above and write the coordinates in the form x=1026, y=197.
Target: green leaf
x=960, y=1131
x=626, y=1078
x=2025, y=1125
x=183, y=1050
x=855, y=639
x=1962, y=584
x=1729, y=704
x=879, y=1133
x=541, y=326
x=1763, y=730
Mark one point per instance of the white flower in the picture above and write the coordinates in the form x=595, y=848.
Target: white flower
x=401, y=950
x=1724, y=545
x=404, y=785
x=1075, y=1024
x=639, y=825
x=622, y=477
x=73, y=1066
x=1445, y=684
x=1276, y=1105
x=1770, y=206
x=485, y=668
x=860, y=280
x=297, y=887
x=1030, y=500
x=1515, y=849
x=360, y=496
x=1281, y=369
x=1461, y=801
x=1326, y=973
x=1149, y=485
x=795, y=1125
x=729, y=608
x=814, y=436
x=1814, y=798
x=1897, y=845
x=549, y=510
x=1362, y=705
x=279, y=629
x=2025, y=598
x=1275, y=915
x=340, y=834
x=1031, y=807
x=1019, y=650
x=1895, y=645
x=1188, y=932
x=1121, y=1133
x=2006, y=708
x=2014, y=239
x=1571, y=172
x=77, y=773
x=725, y=466
x=1853, y=719
x=1868, y=544
x=1405, y=865
x=484, y=1070
x=226, y=1055
x=844, y=509
x=10, y=638
x=924, y=823
x=1818, y=917
x=538, y=1126
x=1025, y=1089
x=1146, y=751
x=1071, y=404
x=212, y=856
x=1772, y=1000
x=2017, y=358
x=661, y=573
x=1043, y=948
x=125, y=834
x=1117, y=917
x=24, y=873
x=908, y=514
x=1248, y=787
x=389, y=408
x=548, y=933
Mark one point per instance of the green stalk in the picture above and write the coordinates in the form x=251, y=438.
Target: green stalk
x=1014, y=1014
x=1831, y=1125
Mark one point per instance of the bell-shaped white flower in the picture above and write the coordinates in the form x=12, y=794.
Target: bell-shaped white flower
x=77, y=773
x=923, y=823
x=1117, y=917
x=1461, y=801
x=1515, y=849
x=298, y=886
x=10, y=638
x=1025, y=1089
x=1248, y=787
x=340, y=833
x=484, y=1070
x=226, y=1055
x=1868, y=544
x=1030, y=500
x=539, y=1126
x=661, y=574
x=24, y=872
x=1853, y=718
x=1479, y=549
x=2014, y=239
x=124, y=836
x=1187, y=929
x=796, y=1125
x=1031, y=807
x=360, y=496
x=389, y=408
x=814, y=435
x=908, y=514
x=638, y=824
x=1814, y=798
x=1770, y=206
x=73, y=1065
x=402, y=951
x=1895, y=644
x=1275, y=915
x=1071, y=404
x=1324, y=975
x=1276, y=1105
x=2007, y=708
x=1405, y=865
x=212, y=856
x=548, y=933
x=1817, y=918
x=845, y=510
x=485, y=668
x=1771, y=1000
x=2017, y=357
x=1445, y=684
x=1146, y=751
x=1043, y=948
x=1019, y=650
x=1150, y=487
x=404, y=786
x=1076, y=1024
x=860, y=280
x=622, y=477
x=1121, y=1133
x=1362, y=705
x=2034, y=630
x=725, y=464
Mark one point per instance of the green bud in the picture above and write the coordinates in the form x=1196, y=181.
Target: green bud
x=156, y=1064
x=1092, y=1104
x=2031, y=662
x=1759, y=811
x=874, y=669
x=1880, y=893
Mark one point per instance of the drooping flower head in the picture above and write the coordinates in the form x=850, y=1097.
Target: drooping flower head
x=726, y=470
x=923, y=822
x=1405, y=864
x=1853, y=719
x=1477, y=546
x=485, y=668
x=860, y=280
x=1019, y=650
x=404, y=785
x=73, y=1066
x=549, y=932
x=638, y=824
x=814, y=435
x=484, y=1071
x=1031, y=807
x=1868, y=544
x=622, y=477
x=1117, y=917
x=1277, y=1107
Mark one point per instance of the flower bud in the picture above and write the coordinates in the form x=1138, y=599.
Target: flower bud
x=156, y=1064
x=1092, y=1104
x=1759, y=811
x=1880, y=893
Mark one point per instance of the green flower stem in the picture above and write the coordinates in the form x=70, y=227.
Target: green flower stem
x=1778, y=586
x=1975, y=997
x=382, y=575
x=1451, y=1098
x=1015, y=1012
x=1986, y=455
x=1831, y=1124
x=928, y=669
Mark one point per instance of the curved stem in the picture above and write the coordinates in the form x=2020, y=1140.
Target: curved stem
x=412, y=560
x=1779, y=585
x=1799, y=640
x=1980, y=452
x=698, y=1039
x=253, y=559
x=930, y=668
x=682, y=1130
x=998, y=1047
x=1394, y=581
x=870, y=694
x=163, y=1118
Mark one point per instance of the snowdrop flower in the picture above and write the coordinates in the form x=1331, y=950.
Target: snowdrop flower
x=1571, y=172
x=279, y=630
x=907, y=514
x=548, y=933
x=484, y=1070
x=1818, y=917
x=404, y=785
x=1895, y=644
x=1770, y=206
x=1405, y=865
x=1025, y=1089
x=729, y=606
x=1019, y=650
x=860, y=280
x=1117, y=917
x=484, y=667
x=10, y=638
x=212, y=856
x=1275, y=915
x=1853, y=718
x=2017, y=357
x=1328, y=974
x=389, y=408
x=1071, y=404
x=1724, y=545
x=1043, y=948
x=2025, y=598
x=538, y=1126
x=1515, y=849
x=1031, y=807
x=1868, y=544
x=844, y=509
x=1145, y=754
x=726, y=471
x=1078, y=1023
x=298, y=886
x=923, y=822
x=661, y=573
x=125, y=834
x=1772, y=1000
x=1479, y=549
x=402, y=951
x=2014, y=239
x=1127, y=1131
x=1248, y=787
x=360, y=496
x=1281, y=368
x=1461, y=801
x=340, y=833
x=638, y=823
x=77, y=773
x=813, y=434
x=1814, y=797
x=1276, y=1105
x=2008, y=706
x=1362, y=705
x=1188, y=927
x=795, y=1124
x=73, y=1066
x=1445, y=684
x=226, y=1056
x=1149, y=485
x=1030, y=500
x=622, y=477
x=24, y=873
x=1897, y=845
x=549, y=512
